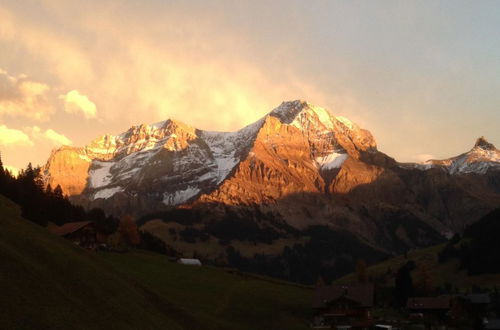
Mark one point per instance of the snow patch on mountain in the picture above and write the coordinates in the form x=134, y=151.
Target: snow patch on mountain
x=478, y=160
x=107, y=192
x=349, y=124
x=225, y=146
x=331, y=161
x=100, y=175
x=180, y=196
x=304, y=116
x=223, y=150
x=323, y=115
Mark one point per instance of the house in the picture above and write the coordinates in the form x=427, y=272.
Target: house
x=491, y=324
x=190, y=262
x=433, y=309
x=82, y=233
x=478, y=304
x=343, y=306
x=473, y=307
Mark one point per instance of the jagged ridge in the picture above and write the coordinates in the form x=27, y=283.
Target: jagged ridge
x=299, y=163
x=187, y=161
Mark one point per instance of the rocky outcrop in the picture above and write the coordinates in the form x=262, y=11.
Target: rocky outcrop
x=69, y=168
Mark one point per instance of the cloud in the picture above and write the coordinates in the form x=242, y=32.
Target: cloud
x=20, y=96
x=56, y=138
x=49, y=136
x=139, y=75
x=421, y=158
x=13, y=137
x=75, y=103
x=29, y=141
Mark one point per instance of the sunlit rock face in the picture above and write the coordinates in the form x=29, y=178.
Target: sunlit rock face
x=293, y=149
x=299, y=162
x=68, y=167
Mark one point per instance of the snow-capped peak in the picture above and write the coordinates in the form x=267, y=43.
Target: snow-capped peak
x=479, y=159
x=301, y=114
x=178, y=162
x=287, y=111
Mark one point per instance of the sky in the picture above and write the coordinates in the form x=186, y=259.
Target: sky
x=422, y=76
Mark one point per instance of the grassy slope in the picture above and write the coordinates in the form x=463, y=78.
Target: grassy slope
x=228, y=300
x=440, y=273
x=47, y=283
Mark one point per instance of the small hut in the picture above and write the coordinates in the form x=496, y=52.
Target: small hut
x=81, y=233
x=189, y=262
x=343, y=306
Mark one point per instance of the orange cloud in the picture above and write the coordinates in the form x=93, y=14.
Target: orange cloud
x=55, y=138
x=190, y=70
x=77, y=103
x=20, y=96
x=49, y=136
x=137, y=79
x=13, y=137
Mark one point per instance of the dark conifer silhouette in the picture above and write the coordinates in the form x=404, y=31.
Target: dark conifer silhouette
x=42, y=204
x=404, y=284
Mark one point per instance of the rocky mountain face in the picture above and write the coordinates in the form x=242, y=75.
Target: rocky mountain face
x=479, y=160
x=299, y=165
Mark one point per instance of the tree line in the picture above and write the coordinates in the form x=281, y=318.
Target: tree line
x=42, y=203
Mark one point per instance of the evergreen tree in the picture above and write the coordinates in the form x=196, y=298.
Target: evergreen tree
x=320, y=283
x=48, y=190
x=361, y=271
x=58, y=192
x=3, y=177
x=424, y=283
x=41, y=204
x=404, y=284
x=2, y=171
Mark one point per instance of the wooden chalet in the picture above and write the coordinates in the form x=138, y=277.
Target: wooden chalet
x=83, y=233
x=493, y=324
x=433, y=309
x=472, y=307
x=477, y=304
x=343, y=306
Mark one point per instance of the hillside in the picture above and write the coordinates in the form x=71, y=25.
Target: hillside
x=441, y=273
x=47, y=283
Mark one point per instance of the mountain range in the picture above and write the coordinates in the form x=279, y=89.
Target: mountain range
x=298, y=166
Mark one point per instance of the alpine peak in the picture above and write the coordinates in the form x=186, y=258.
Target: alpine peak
x=484, y=144
x=170, y=163
x=293, y=112
x=301, y=114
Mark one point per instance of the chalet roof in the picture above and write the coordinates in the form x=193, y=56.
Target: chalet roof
x=479, y=298
x=69, y=227
x=429, y=303
x=492, y=324
x=187, y=261
x=360, y=293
